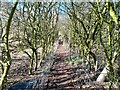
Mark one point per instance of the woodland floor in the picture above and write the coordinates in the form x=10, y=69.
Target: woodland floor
x=63, y=76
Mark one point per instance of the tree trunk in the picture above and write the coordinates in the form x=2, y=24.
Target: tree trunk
x=4, y=75
x=31, y=66
x=36, y=59
x=6, y=46
x=96, y=65
x=41, y=58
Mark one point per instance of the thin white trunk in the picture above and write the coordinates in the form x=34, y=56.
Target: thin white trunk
x=96, y=65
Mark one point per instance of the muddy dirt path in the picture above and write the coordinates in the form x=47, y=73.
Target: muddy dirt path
x=63, y=76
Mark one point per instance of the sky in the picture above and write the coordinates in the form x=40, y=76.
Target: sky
x=57, y=0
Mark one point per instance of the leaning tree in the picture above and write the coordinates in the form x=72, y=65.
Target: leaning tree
x=6, y=61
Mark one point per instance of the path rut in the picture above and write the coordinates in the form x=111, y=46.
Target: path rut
x=64, y=76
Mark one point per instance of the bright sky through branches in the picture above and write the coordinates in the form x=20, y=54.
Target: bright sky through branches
x=59, y=0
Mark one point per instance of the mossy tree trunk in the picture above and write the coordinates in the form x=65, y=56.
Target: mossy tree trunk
x=7, y=61
x=108, y=45
x=36, y=59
